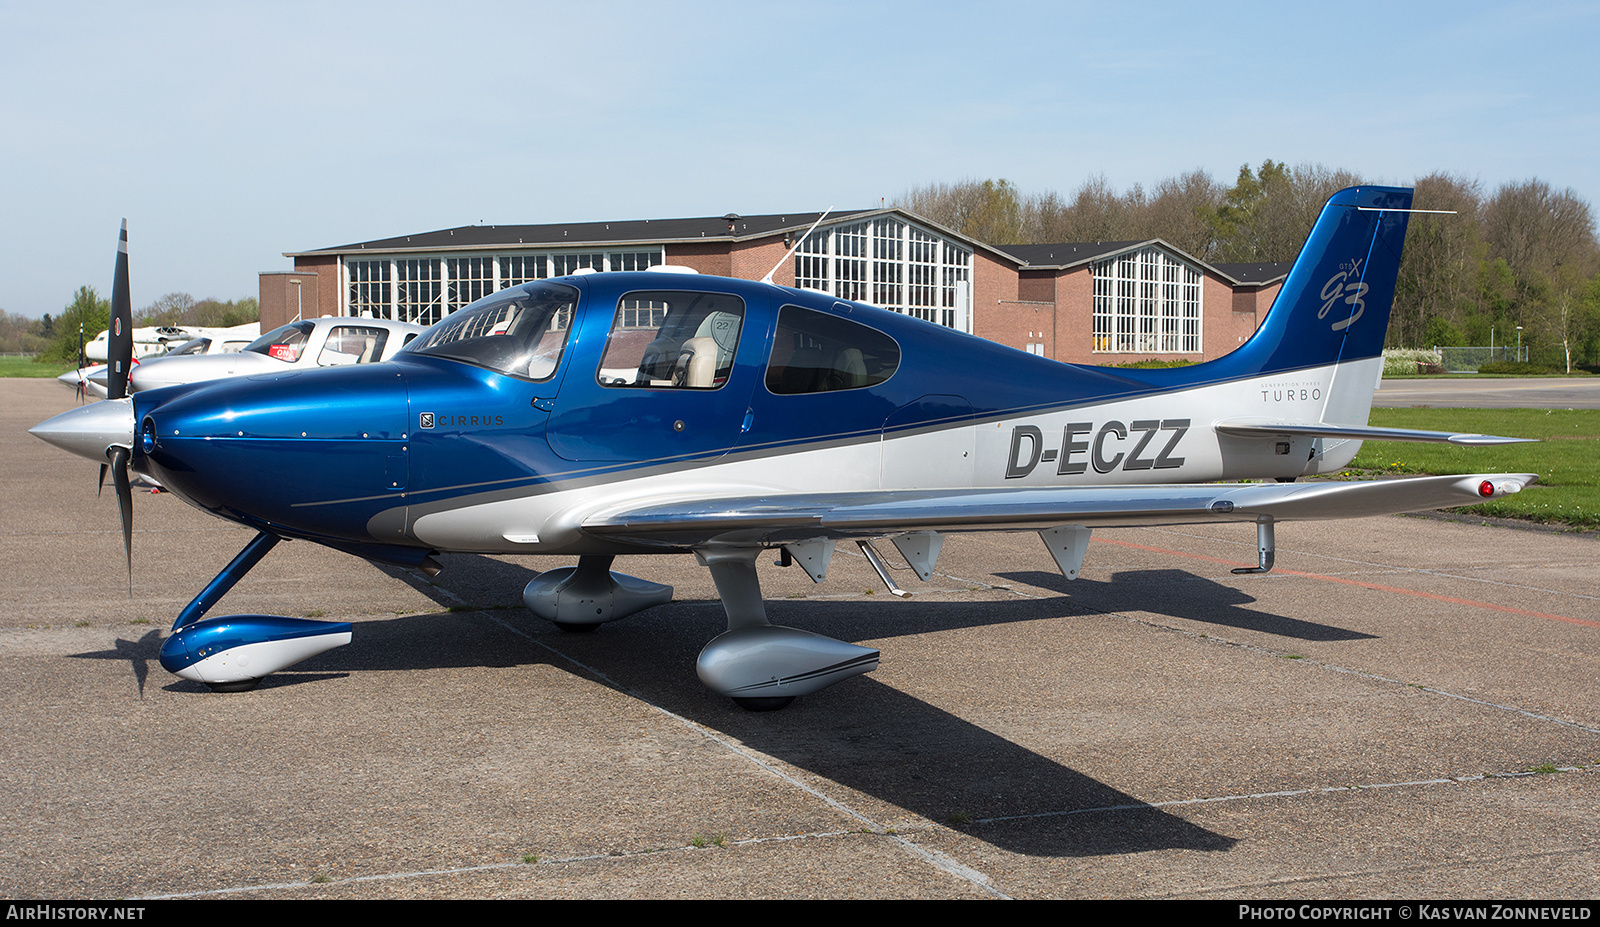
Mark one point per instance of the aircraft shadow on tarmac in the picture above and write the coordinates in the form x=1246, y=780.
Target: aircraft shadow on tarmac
x=862, y=735
x=1180, y=594
x=140, y=654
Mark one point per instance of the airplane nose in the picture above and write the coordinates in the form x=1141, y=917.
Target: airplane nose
x=89, y=429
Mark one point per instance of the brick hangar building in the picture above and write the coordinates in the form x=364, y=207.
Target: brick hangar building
x=1101, y=303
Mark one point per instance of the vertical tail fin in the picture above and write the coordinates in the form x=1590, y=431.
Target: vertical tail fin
x=1335, y=303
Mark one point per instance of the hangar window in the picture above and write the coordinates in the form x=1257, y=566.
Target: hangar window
x=1146, y=301
x=669, y=338
x=423, y=290
x=369, y=289
x=892, y=264
x=517, y=269
x=521, y=332
x=470, y=279
x=564, y=264
x=815, y=352
x=632, y=260
x=419, y=290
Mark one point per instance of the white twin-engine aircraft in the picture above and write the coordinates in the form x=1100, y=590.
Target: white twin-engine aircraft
x=627, y=413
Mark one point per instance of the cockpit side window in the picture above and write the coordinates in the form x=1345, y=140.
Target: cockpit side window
x=521, y=331
x=353, y=344
x=815, y=352
x=672, y=339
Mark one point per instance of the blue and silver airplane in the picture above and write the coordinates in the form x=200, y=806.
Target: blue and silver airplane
x=651, y=412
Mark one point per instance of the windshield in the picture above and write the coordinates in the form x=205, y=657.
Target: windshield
x=284, y=343
x=520, y=331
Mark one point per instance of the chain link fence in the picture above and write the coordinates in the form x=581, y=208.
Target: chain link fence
x=1468, y=360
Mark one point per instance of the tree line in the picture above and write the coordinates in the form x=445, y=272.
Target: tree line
x=1524, y=255
x=55, y=338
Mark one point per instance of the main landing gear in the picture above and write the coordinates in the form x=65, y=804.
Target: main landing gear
x=761, y=666
x=582, y=598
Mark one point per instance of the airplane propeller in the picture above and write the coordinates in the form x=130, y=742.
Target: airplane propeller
x=119, y=468
x=230, y=653
x=120, y=356
x=120, y=346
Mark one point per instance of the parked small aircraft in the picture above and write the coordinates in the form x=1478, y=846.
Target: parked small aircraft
x=618, y=413
x=147, y=341
x=325, y=342
x=92, y=381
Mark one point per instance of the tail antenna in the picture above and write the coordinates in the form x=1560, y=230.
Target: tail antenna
x=798, y=242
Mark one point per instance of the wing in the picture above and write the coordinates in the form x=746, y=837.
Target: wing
x=780, y=519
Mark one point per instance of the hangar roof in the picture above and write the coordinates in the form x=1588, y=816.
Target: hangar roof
x=1066, y=254
x=1070, y=254
x=1260, y=273
x=566, y=234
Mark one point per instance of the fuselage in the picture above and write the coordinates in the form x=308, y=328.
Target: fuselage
x=428, y=452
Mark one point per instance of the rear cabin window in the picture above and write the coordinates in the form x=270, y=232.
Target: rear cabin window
x=815, y=352
x=672, y=339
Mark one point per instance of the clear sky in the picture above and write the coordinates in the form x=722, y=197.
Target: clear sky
x=229, y=133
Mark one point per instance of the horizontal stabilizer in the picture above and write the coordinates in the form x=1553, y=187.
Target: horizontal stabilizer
x=1266, y=428
x=770, y=520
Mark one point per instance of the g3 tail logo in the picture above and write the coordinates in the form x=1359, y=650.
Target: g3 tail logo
x=1028, y=450
x=1340, y=284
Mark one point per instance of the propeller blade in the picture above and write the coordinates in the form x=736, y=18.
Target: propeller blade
x=119, y=475
x=120, y=348
x=102, y=487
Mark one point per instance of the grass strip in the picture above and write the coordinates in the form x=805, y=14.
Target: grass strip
x=1567, y=458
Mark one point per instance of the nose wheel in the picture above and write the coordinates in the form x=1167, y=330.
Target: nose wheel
x=233, y=653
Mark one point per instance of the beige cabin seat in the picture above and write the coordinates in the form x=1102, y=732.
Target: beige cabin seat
x=850, y=369
x=696, y=367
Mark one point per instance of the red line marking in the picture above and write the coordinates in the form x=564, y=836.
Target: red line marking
x=1365, y=585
